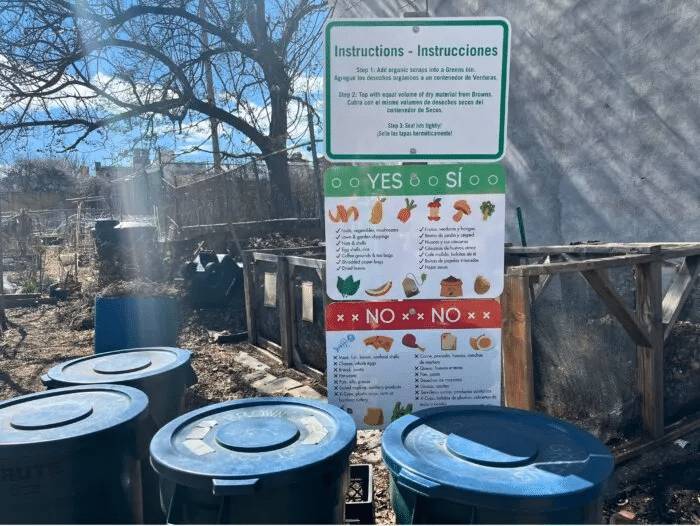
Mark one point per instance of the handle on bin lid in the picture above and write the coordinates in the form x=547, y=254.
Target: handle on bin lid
x=229, y=487
x=47, y=381
x=190, y=376
x=415, y=482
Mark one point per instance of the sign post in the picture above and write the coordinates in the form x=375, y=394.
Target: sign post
x=414, y=253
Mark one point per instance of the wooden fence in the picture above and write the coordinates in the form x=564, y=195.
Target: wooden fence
x=285, y=306
x=239, y=195
x=648, y=324
x=286, y=300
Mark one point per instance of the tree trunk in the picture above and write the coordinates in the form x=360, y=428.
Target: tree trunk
x=280, y=185
x=276, y=158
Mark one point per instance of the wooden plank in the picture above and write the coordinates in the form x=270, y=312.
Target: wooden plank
x=317, y=375
x=321, y=251
x=602, y=285
x=600, y=248
x=678, y=292
x=671, y=432
x=540, y=287
x=326, y=302
x=307, y=262
x=284, y=309
x=669, y=252
x=262, y=256
x=10, y=297
x=269, y=346
x=578, y=266
x=650, y=363
x=249, y=296
x=591, y=249
x=294, y=357
x=518, y=374
x=29, y=302
x=538, y=284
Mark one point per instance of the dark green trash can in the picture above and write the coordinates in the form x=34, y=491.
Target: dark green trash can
x=256, y=461
x=163, y=373
x=493, y=465
x=73, y=456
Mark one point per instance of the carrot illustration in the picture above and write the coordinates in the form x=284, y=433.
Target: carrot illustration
x=405, y=213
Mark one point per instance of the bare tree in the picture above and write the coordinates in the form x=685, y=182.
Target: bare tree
x=82, y=69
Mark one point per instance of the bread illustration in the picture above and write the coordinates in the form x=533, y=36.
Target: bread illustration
x=448, y=341
x=481, y=285
x=379, y=342
x=374, y=416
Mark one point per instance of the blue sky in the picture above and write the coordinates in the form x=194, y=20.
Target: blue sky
x=115, y=148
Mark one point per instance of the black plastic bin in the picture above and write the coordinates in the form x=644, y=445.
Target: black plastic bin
x=493, y=465
x=256, y=461
x=163, y=373
x=359, y=504
x=73, y=456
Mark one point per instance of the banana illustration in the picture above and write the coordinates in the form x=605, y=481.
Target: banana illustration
x=343, y=214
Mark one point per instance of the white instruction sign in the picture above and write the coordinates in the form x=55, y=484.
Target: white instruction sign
x=416, y=89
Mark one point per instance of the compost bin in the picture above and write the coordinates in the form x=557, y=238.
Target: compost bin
x=256, y=461
x=163, y=373
x=73, y=456
x=489, y=464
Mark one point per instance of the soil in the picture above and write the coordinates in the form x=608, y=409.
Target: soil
x=661, y=486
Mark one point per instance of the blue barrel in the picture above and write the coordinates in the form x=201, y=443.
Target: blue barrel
x=126, y=322
x=486, y=465
x=73, y=456
x=163, y=373
x=256, y=461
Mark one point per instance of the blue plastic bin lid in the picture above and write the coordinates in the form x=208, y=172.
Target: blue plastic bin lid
x=54, y=421
x=239, y=447
x=118, y=366
x=496, y=458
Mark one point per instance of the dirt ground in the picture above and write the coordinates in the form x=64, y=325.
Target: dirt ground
x=662, y=486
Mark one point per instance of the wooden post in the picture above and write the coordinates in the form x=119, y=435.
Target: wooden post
x=77, y=239
x=284, y=304
x=518, y=378
x=650, y=359
x=294, y=358
x=249, y=295
x=199, y=203
x=678, y=292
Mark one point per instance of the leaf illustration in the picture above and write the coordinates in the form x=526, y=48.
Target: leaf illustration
x=348, y=286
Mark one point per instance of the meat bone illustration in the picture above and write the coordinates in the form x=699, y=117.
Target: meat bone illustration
x=409, y=340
